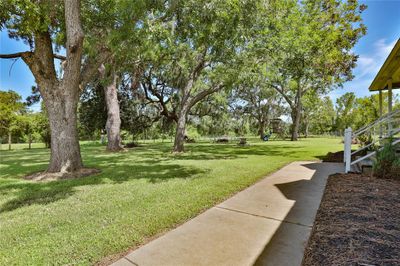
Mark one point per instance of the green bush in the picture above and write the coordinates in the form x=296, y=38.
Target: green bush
x=192, y=132
x=387, y=165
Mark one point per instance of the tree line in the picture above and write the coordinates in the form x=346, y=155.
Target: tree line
x=217, y=116
x=167, y=62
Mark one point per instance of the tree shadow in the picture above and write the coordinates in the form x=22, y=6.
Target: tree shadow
x=234, y=151
x=153, y=163
x=286, y=247
x=25, y=193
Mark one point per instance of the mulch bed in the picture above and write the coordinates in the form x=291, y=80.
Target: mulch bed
x=337, y=157
x=358, y=223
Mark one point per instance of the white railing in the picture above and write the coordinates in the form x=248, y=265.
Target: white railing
x=384, y=128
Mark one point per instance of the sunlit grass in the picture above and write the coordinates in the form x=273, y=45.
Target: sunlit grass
x=140, y=192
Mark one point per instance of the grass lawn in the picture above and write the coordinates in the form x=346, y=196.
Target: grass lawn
x=140, y=193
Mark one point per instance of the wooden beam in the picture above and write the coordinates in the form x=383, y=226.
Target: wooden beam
x=390, y=95
x=390, y=102
x=380, y=113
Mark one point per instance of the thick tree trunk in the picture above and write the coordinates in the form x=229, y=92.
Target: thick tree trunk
x=180, y=131
x=261, y=129
x=9, y=140
x=296, y=114
x=113, y=125
x=62, y=110
x=60, y=94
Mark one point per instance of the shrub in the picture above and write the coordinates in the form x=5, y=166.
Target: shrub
x=387, y=165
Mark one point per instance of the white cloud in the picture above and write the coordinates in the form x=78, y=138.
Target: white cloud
x=368, y=65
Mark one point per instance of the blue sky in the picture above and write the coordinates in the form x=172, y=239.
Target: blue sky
x=381, y=18
x=383, y=22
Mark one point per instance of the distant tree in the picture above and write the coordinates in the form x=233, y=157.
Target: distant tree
x=308, y=46
x=256, y=98
x=11, y=108
x=92, y=111
x=197, y=50
x=41, y=126
x=37, y=122
x=137, y=114
x=212, y=117
x=318, y=114
x=345, y=115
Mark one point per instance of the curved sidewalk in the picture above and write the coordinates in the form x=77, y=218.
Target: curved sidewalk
x=266, y=224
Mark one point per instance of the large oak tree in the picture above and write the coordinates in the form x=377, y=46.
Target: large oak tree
x=48, y=26
x=197, y=46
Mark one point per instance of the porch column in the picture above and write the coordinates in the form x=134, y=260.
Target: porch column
x=380, y=113
x=390, y=102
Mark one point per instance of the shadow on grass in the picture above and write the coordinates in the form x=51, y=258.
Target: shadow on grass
x=153, y=163
x=207, y=151
x=24, y=193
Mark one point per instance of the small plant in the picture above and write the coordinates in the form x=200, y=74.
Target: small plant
x=387, y=165
x=366, y=139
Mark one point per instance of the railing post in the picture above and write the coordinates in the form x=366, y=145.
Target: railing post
x=347, y=149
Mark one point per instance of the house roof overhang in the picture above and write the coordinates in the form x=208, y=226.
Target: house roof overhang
x=389, y=72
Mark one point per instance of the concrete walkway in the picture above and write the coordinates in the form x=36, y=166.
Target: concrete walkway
x=267, y=224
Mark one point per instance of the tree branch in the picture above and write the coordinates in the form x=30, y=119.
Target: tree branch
x=201, y=95
x=15, y=55
x=61, y=57
x=283, y=95
x=22, y=54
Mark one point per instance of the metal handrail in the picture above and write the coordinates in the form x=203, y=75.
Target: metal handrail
x=394, y=132
x=372, y=153
x=376, y=122
x=391, y=120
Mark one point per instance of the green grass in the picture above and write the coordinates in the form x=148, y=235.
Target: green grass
x=140, y=193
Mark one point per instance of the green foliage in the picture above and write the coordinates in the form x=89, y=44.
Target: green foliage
x=318, y=114
x=387, y=163
x=192, y=132
x=307, y=46
x=345, y=105
x=24, y=18
x=42, y=127
x=11, y=108
x=356, y=112
x=92, y=112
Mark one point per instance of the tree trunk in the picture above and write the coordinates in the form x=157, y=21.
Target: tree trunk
x=296, y=113
x=306, y=129
x=180, y=131
x=9, y=140
x=30, y=140
x=62, y=110
x=261, y=129
x=60, y=94
x=113, y=124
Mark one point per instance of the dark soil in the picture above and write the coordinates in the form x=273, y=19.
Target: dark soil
x=337, y=157
x=46, y=176
x=131, y=145
x=358, y=223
